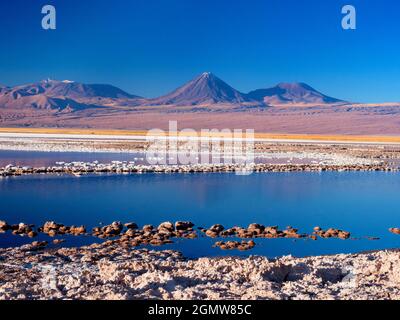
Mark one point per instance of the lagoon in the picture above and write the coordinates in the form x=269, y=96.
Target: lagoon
x=364, y=203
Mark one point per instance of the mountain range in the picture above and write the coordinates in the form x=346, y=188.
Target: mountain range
x=205, y=90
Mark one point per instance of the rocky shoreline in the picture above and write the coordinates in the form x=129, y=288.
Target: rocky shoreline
x=111, y=271
x=126, y=167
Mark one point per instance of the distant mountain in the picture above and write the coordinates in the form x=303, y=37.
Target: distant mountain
x=71, y=89
x=3, y=88
x=41, y=102
x=291, y=93
x=63, y=95
x=206, y=89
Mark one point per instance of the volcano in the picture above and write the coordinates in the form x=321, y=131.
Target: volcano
x=291, y=93
x=205, y=89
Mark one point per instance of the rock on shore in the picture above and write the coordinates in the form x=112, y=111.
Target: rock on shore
x=113, y=272
x=125, y=167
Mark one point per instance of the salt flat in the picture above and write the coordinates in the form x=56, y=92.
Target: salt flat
x=113, y=272
x=139, y=136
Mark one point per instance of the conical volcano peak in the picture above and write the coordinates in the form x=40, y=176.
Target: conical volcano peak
x=206, y=74
x=204, y=89
x=207, y=77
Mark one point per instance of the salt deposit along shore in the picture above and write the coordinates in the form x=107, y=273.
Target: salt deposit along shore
x=285, y=155
x=79, y=168
x=275, y=160
x=103, y=271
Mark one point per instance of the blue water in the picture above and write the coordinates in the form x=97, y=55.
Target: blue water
x=366, y=204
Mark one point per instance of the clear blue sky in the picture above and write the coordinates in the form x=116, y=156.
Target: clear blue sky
x=149, y=47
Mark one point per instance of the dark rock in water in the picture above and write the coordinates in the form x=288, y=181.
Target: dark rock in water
x=291, y=232
x=191, y=235
x=271, y=230
x=211, y=234
x=4, y=226
x=166, y=226
x=228, y=232
x=235, y=245
x=117, y=226
x=96, y=231
x=217, y=228
x=131, y=225
x=251, y=244
x=183, y=225
x=32, y=234
x=395, y=230
x=77, y=231
x=52, y=233
x=256, y=228
x=36, y=245
x=147, y=228
x=108, y=231
x=332, y=233
x=156, y=242
x=344, y=235
x=113, y=229
x=23, y=229
x=52, y=228
x=131, y=232
x=245, y=233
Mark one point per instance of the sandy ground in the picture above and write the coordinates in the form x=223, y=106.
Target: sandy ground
x=133, y=135
x=348, y=119
x=113, y=272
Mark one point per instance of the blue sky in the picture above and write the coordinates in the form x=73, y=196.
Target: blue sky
x=149, y=47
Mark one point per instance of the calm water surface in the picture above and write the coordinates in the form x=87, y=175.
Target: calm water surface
x=366, y=204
